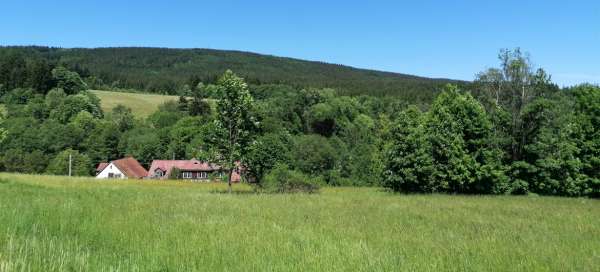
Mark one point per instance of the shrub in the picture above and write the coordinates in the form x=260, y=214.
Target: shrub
x=281, y=179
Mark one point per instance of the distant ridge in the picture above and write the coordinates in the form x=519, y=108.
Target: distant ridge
x=168, y=70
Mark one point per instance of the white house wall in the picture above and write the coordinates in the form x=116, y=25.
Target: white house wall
x=111, y=168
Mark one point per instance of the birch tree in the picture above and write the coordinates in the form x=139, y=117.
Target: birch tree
x=511, y=88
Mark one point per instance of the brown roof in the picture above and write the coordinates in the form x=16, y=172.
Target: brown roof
x=192, y=165
x=184, y=165
x=101, y=166
x=131, y=167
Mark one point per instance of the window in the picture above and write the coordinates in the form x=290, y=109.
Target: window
x=111, y=175
x=117, y=175
x=159, y=173
x=203, y=175
x=187, y=175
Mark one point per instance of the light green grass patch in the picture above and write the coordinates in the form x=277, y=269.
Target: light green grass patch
x=141, y=105
x=57, y=223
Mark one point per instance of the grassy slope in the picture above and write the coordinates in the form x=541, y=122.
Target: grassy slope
x=142, y=105
x=51, y=223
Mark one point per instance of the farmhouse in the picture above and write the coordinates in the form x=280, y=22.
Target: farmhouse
x=126, y=168
x=187, y=169
x=101, y=167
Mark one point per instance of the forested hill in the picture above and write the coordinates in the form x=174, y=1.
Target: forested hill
x=168, y=70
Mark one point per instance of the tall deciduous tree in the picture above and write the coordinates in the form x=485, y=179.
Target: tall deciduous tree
x=234, y=120
x=511, y=88
x=267, y=151
x=551, y=148
x=67, y=80
x=450, y=149
x=464, y=153
x=587, y=111
x=408, y=161
x=123, y=117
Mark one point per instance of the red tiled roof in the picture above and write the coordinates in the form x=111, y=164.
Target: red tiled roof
x=131, y=167
x=186, y=165
x=101, y=166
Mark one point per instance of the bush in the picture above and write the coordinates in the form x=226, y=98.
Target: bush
x=284, y=180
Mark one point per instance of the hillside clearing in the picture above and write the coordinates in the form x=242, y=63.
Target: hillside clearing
x=57, y=223
x=141, y=105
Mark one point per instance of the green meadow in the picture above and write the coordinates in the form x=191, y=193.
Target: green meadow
x=51, y=223
x=141, y=105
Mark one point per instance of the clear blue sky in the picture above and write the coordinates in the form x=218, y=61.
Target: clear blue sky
x=452, y=39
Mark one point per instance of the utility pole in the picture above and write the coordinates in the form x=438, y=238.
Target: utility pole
x=70, y=163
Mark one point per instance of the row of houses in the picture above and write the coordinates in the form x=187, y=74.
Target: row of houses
x=130, y=168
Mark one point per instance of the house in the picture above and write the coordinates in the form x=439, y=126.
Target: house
x=187, y=169
x=101, y=167
x=126, y=168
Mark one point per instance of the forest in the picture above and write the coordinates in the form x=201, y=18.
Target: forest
x=510, y=131
x=171, y=71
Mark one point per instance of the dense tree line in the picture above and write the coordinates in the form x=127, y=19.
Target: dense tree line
x=162, y=70
x=511, y=131
x=522, y=135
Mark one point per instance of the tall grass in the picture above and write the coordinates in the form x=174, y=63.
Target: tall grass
x=61, y=224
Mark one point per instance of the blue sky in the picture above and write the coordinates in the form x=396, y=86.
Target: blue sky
x=451, y=39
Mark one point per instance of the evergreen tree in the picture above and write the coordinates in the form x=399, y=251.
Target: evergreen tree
x=199, y=106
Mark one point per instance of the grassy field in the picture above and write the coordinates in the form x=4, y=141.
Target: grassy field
x=142, y=105
x=61, y=224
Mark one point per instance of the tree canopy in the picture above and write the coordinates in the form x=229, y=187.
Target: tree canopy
x=511, y=131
